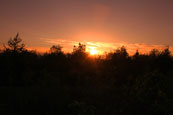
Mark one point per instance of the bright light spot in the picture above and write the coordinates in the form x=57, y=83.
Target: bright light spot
x=93, y=51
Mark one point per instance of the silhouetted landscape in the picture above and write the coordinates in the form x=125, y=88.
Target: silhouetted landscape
x=77, y=83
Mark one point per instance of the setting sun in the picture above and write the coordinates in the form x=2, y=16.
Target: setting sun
x=93, y=51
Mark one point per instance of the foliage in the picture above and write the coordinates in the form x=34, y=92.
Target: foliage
x=118, y=84
x=15, y=44
x=56, y=49
x=80, y=48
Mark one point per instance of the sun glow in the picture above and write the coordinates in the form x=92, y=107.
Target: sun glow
x=93, y=51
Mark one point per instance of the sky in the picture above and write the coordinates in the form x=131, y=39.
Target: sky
x=102, y=24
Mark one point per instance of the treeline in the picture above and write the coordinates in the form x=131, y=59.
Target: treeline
x=78, y=84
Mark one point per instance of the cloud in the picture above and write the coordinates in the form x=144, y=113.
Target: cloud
x=105, y=46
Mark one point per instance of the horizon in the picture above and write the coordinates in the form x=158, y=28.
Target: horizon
x=93, y=48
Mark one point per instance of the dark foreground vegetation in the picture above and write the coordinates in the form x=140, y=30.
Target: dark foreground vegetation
x=56, y=83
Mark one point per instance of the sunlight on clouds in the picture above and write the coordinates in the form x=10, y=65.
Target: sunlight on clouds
x=102, y=47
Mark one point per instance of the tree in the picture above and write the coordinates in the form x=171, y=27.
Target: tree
x=136, y=55
x=154, y=52
x=81, y=48
x=79, y=52
x=56, y=49
x=166, y=52
x=120, y=53
x=15, y=44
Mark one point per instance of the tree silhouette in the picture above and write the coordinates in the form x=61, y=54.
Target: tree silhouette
x=154, y=52
x=77, y=84
x=80, y=48
x=15, y=44
x=166, y=52
x=56, y=49
x=137, y=53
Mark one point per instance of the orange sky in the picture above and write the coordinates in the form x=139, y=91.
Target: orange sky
x=100, y=47
x=103, y=24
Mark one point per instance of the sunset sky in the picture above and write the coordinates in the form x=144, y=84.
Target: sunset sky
x=102, y=24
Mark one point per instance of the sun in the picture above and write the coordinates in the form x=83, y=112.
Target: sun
x=93, y=51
